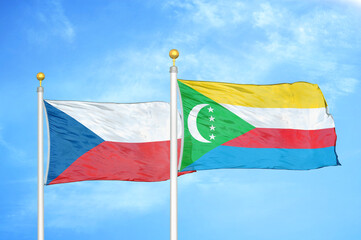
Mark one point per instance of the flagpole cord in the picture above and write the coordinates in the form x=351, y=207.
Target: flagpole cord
x=173, y=148
x=40, y=90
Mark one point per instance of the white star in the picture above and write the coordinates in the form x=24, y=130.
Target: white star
x=210, y=109
x=212, y=137
x=211, y=119
x=212, y=128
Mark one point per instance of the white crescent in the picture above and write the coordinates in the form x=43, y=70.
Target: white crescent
x=192, y=123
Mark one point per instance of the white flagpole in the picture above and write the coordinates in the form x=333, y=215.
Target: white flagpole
x=173, y=148
x=40, y=76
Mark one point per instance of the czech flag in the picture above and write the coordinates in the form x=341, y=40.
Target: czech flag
x=108, y=141
x=281, y=126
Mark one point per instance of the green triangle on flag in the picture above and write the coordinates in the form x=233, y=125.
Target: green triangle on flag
x=207, y=124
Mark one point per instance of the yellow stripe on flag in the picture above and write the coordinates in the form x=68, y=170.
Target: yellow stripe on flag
x=294, y=95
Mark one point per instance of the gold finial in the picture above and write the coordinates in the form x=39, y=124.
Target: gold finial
x=173, y=54
x=40, y=76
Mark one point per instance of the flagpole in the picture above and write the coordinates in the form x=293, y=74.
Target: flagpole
x=40, y=76
x=173, y=148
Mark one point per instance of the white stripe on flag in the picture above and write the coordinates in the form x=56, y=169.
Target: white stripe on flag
x=135, y=122
x=284, y=118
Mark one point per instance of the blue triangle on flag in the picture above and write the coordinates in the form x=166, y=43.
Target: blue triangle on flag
x=69, y=140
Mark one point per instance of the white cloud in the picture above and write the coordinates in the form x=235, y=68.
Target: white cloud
x=134, y=75
x=52, y=22
x=352, y=2
x=212, y=185
x=267, y=16
x=348, y=85
x=13, y=151
x=210, y=13
x=85, y=204
x=335, y=88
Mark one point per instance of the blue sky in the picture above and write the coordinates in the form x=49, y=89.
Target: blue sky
x=118, y=51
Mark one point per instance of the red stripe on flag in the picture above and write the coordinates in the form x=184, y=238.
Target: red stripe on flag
x=141, y=162
x=285, y=138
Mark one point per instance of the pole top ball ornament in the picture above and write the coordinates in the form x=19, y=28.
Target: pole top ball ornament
x=40, y=76
x=173, y=54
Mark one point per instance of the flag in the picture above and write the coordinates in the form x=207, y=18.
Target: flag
x=108, y=141
x=281, y=126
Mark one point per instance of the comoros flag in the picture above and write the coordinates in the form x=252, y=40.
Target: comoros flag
x=108, y=141
x=281, y=126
